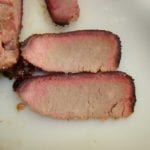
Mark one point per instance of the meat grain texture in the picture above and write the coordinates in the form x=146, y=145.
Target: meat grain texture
x=80, y=96
x=73, y=52
x=10, y=24
x=63, y=11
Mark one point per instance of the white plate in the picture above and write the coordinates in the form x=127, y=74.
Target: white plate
x=26, y=130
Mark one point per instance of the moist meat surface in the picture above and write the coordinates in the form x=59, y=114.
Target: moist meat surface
x=80, y=96
x=10, y=24
x=63, y=11
x=73, y=52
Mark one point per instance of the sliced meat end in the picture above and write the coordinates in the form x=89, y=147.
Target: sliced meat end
x=63, y=11
x=10, y=24
x=80, y=96
x=73, y=52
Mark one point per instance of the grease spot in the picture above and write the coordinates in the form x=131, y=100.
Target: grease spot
x=20, y=106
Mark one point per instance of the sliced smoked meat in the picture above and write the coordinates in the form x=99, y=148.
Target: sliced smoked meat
x=73, y=52
x=10, y=24
x=63, y=11
x=80, y=96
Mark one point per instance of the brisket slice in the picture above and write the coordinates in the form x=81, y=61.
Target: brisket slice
x=73, y=52
x=10, y=24
x=63, y=11
x=80, y=96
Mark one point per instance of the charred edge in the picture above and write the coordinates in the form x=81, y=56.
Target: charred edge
x=25, y=42
x=133, y=95
x=60, y=23
x=89, y=31
x=24, y=68
x=19, y=81
x=20, y=70
x=133, y=92
x=21, y=16
x=3, y=45
x=10, y=72
x=118, y=56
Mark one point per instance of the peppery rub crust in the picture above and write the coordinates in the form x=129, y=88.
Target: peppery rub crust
x=116, y=57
